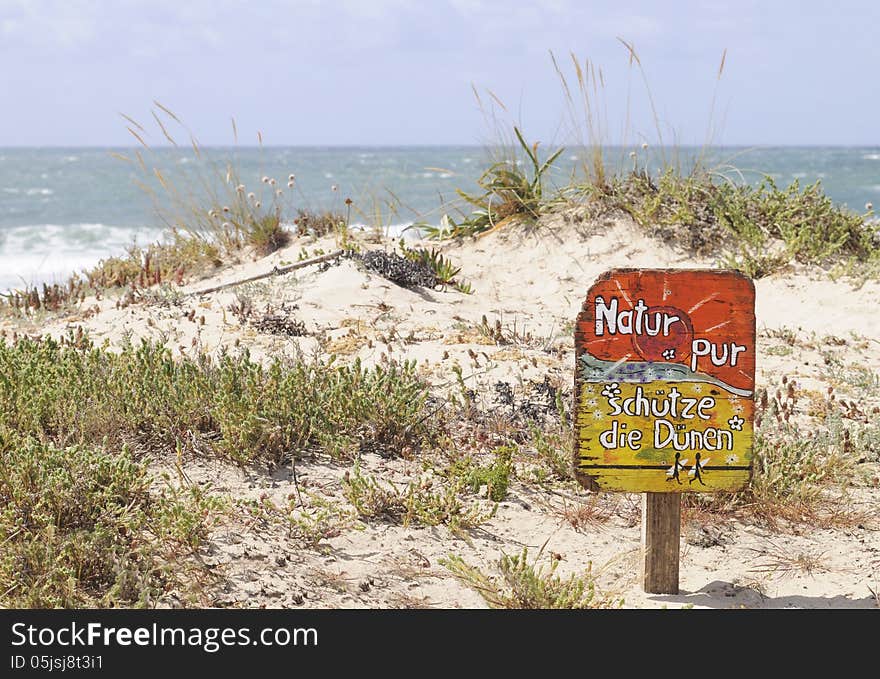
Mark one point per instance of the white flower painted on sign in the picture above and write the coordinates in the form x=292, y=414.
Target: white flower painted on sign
x=732, y=459
x=598, y=415
x=611, y=390
x=736, y=423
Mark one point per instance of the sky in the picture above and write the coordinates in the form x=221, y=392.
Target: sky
x=400, y=72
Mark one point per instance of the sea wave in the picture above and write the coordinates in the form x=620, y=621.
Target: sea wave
x=49, y=253
x=38, y=191
x=34, y=254
x=392, y=230
x=594, y=369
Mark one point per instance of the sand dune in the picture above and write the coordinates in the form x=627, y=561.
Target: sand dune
x=532, y=283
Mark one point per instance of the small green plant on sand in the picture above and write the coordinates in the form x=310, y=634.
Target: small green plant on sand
x=496, y=476
x=553, y=446
x=444, y=270
x=318, y=224
x=507, y=191
x=421, y=502
x=522, y=584
x=310, y=518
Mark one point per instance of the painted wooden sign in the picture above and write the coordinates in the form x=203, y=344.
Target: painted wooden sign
x=664, y=381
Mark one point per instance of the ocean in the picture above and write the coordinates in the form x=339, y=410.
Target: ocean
x=63, y=209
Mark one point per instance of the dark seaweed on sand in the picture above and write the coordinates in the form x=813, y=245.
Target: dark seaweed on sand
x=400, y=270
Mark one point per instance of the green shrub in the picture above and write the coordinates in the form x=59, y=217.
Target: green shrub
x=75, y=393
x=80, y=527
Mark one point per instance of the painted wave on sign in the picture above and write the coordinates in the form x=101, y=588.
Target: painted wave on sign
x=594, y=369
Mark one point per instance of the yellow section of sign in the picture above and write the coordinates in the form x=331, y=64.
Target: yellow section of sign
x=663, y=436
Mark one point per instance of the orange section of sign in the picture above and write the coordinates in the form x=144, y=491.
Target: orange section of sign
x=664, y=381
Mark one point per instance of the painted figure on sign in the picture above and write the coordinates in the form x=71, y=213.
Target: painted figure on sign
x=679, y=464
x=697, y=470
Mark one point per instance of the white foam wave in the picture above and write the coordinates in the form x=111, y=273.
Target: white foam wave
x=49, y=253
x=871, y=156
x=392, y=230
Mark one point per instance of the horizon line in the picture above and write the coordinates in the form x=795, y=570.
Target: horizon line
x=187, y=147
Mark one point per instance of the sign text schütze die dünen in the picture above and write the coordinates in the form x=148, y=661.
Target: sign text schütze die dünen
x=664, y=381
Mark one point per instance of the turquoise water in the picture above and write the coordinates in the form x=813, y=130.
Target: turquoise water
x=63, y=209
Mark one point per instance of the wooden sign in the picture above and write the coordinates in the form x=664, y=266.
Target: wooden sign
x=664, y=381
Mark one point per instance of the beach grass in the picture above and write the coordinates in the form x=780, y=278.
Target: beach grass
x=803, y=472
x=421, y=502
x=85, y=523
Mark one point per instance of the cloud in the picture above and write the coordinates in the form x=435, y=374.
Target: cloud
x=54, y=24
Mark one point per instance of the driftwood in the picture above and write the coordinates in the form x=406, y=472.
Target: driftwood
x=277, y=271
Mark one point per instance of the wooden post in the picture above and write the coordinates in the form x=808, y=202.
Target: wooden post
x=661, y=528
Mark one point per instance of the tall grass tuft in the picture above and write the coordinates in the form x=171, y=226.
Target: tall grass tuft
x=209, y=202
x=508, y=191
x=709, y=210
